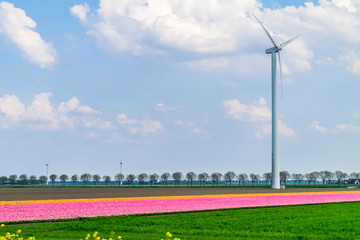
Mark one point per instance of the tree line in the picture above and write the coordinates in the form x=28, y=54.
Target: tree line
x=190, y=177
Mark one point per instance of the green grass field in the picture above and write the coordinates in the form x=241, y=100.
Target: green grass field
x=320, y=221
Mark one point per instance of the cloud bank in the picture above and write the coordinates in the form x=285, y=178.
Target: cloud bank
x=16, y=26
x=257, y=113
x=41, y=114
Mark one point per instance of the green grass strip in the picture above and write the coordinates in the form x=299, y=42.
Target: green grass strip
x=318, y=221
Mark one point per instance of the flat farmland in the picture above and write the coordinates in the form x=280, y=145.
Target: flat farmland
x=48, y=193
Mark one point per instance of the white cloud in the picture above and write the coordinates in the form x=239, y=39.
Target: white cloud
x=325, y=60
x=74, y=105
x=214, y=34
x=142, y=126
x=12, y=107
x=41, y=114
x=257, y=113
x=315, y=125
x=20, y=29
x=187, y=25
x=239, y=65
x=284, y=130
x=162, y=108
x=197, y=130
x=265, y=130
x=339, y=128
x=97, y=123
x=352, y=62
x=350, y=127
x=178, y=122
x=349, y=5
x=80, y=11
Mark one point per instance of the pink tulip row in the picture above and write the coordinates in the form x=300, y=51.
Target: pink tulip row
x=46, y=211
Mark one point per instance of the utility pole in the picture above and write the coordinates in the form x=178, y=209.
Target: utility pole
x=47, y=174
x=121, y=171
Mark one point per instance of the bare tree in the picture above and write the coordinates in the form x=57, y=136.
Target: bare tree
x=203, y=177
x=23, y=179
x=229, y=176
x=13, y=178
x=63, y=178
x=206, y=177
x=43, y=179
x=239, y=179
x=191, y=176
x=142, y=178
x=257, y=179
x=253, y=178
x=165, y=177
x=267, y=177
x=322, y=176
x=119, y=177
x=154, y=178
x=354, y=175
x=96, y=178
x=284, y=176
x=53, y=178
x=216, y=177
x=300, y=177
x=107, y=179
x=329, y=176
x=243, y=177
x=74, y=179
x=297, y=177
x=340, y=176
x=85, y=178
x=32, y=179
x=314, y=176
x=308, y=177
x=3, y=179
x=177, y=176
x=130, y=179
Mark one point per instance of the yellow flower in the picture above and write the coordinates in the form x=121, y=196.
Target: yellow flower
x=2, y=225
x=18, y=231
x=119, y=237
x=168, y=234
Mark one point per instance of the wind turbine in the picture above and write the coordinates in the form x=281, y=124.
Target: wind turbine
x=121, y=171
x=47, y=174
x=275, y=180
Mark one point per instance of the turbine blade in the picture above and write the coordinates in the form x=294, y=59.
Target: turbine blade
x=281, y=77
x=284, y=44
x=271, y=39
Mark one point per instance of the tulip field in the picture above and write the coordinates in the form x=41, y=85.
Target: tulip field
x=227, y=216
x=12, y=211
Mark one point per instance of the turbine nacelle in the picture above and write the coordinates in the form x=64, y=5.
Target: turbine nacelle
x=272, y=50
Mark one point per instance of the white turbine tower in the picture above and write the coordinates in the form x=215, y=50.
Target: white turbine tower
x=47, y=173
x=275, y=180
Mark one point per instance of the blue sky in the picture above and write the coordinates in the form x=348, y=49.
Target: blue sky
x=167, y=86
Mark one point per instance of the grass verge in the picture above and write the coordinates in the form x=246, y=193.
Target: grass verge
x=318, y=221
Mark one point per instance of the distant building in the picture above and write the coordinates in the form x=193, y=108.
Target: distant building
x=352, y=181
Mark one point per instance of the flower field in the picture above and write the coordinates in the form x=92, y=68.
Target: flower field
x=11, y=211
